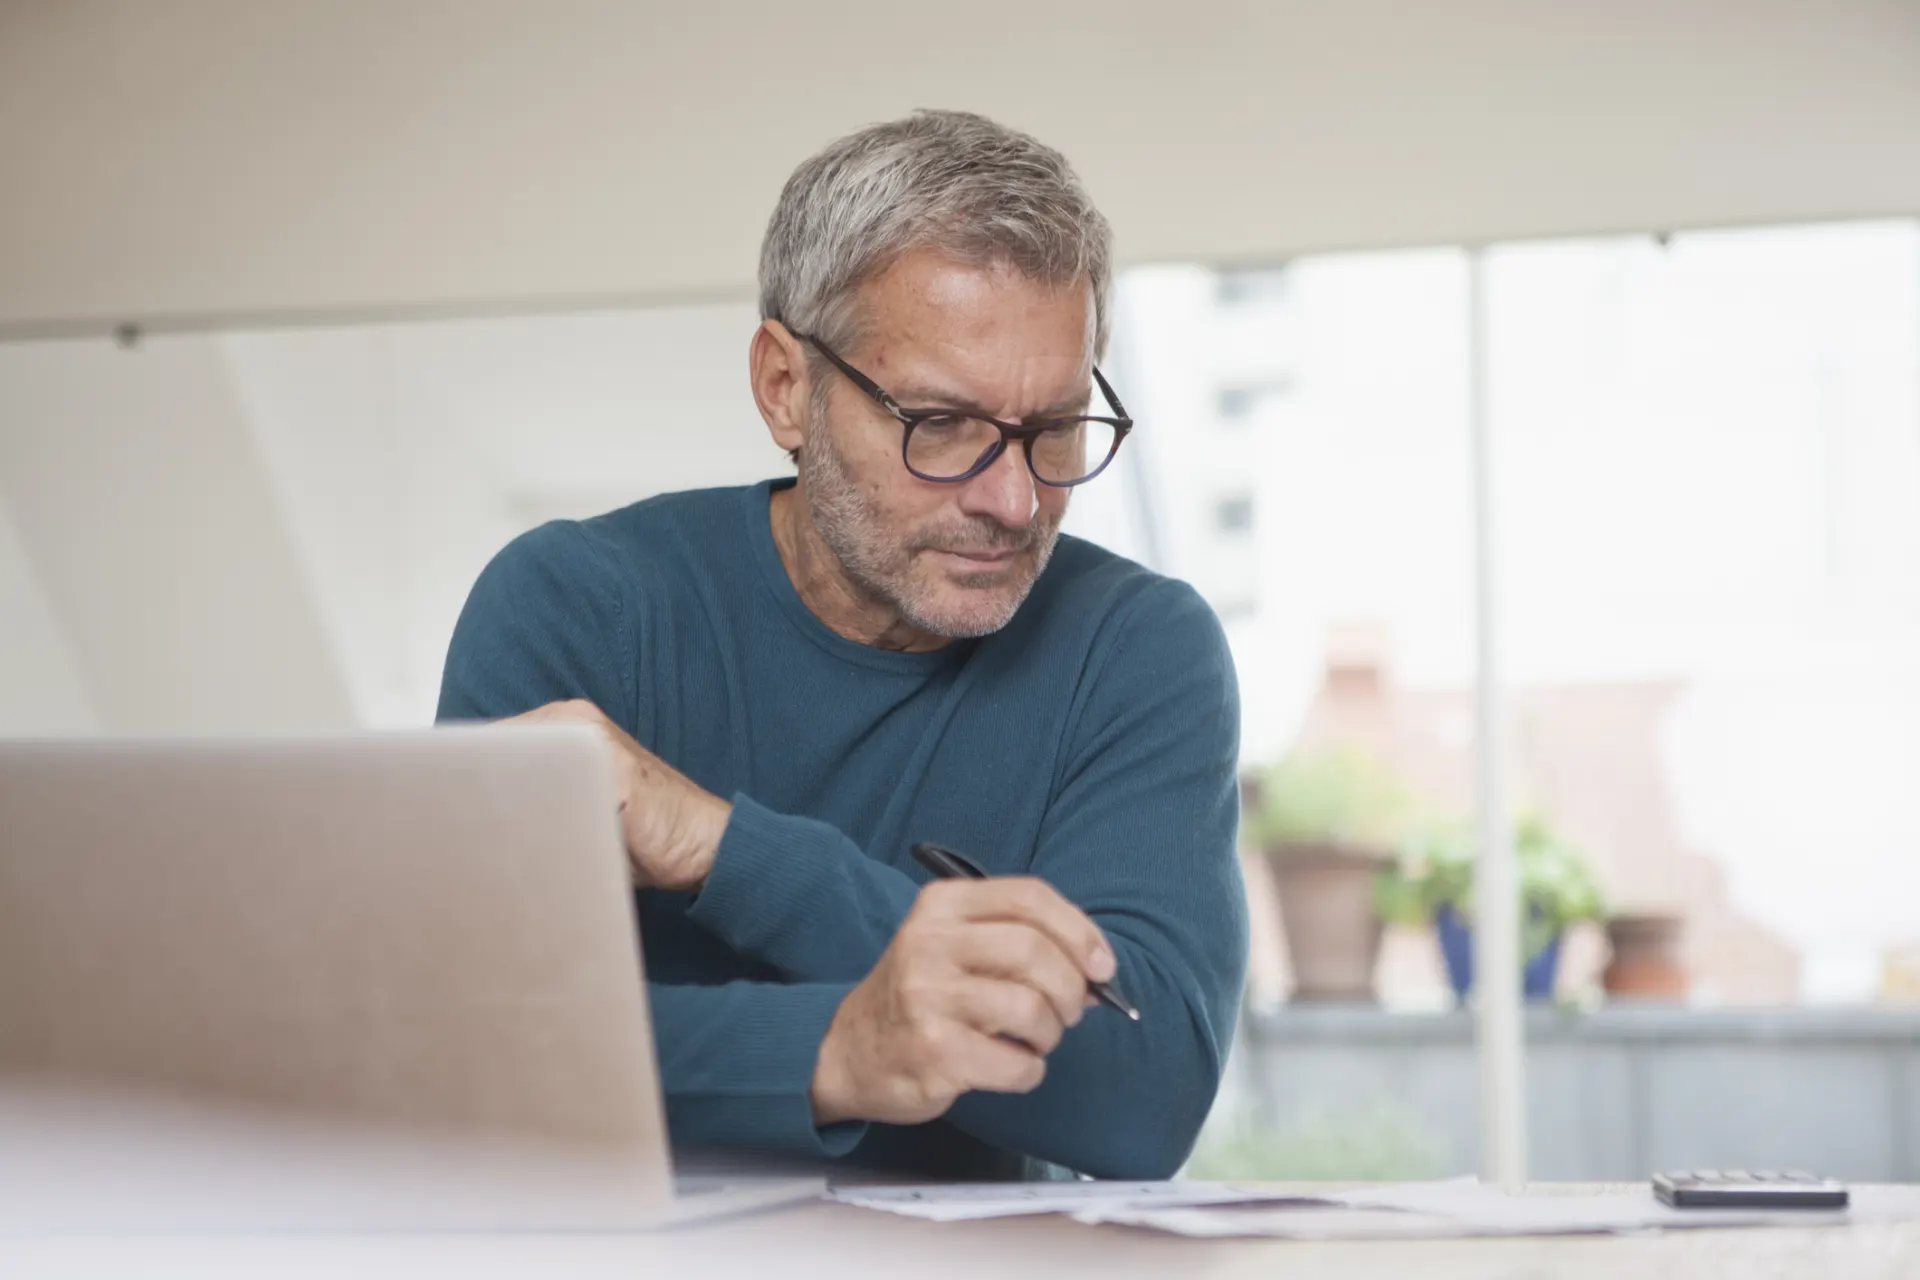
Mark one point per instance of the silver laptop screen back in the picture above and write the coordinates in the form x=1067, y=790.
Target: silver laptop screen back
x=430, y=932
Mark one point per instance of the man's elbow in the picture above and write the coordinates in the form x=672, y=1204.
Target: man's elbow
x=1157, y=1138
x=1165, y=1107
x=1147, y=1152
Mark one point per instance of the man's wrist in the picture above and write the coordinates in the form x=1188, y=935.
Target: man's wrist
x=831, y=1093
x=718, y=811
x=708, y=827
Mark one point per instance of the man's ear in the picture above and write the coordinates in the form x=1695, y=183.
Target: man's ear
x=782, y=384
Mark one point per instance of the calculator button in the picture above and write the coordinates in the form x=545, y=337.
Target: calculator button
x=1769, y=1175
x=1796, y=1175
x=1737, y=1175
x=1705, y=1175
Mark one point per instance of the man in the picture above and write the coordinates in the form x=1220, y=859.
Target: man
x=800, y=680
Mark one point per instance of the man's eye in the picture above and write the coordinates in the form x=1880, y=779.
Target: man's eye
x=942, y=422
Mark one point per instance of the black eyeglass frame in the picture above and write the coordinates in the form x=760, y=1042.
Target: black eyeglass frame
x=1025, y=433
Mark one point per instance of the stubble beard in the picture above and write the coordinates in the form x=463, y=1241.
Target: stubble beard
x=880, y=562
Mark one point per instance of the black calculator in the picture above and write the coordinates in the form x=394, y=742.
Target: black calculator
x=1738, y=1189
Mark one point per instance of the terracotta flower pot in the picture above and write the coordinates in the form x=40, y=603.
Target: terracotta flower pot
x=1648, y=960
x=1326, y=904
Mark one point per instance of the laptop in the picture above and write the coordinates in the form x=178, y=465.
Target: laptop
x=371, y=980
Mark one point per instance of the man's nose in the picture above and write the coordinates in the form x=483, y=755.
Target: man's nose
x=1006, y=490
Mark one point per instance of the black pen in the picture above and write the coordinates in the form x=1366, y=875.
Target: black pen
x=948, y=865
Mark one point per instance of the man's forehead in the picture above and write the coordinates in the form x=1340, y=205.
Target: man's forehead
x=953, y=330
x=926, y=296
x=952, y=375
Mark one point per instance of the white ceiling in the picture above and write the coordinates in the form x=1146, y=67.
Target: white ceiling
x=221, y=161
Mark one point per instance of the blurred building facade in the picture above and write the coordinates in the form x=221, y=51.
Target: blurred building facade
x=1587, y=756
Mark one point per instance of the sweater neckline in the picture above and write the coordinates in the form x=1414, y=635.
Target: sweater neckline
x=773, y=573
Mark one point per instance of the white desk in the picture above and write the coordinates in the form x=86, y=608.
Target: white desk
x=826, y=1240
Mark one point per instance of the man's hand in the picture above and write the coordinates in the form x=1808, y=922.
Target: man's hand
x=672, y=826
x=977, y=987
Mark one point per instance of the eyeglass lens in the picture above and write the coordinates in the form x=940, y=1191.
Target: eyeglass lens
x=949, y=446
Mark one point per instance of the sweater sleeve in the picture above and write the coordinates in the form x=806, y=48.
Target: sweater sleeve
x=1141, y=835
x=549, y=619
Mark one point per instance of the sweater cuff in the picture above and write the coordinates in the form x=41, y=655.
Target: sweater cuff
x=763, y=877
x=758, y=1093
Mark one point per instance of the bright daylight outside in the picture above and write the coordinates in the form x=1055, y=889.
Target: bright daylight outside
x=1707, y=461
x=1707, y=471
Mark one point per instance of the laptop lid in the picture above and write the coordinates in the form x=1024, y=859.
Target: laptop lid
x=351, y=980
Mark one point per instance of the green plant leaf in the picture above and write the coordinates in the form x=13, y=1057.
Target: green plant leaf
x=1331, y=796
x=1436, y=867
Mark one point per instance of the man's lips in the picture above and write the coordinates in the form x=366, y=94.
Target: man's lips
x=985, y=559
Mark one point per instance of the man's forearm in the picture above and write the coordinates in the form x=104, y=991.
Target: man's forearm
x=799, y=895
x=1120, y=1099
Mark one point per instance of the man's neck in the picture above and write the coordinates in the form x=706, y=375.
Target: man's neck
x=829, y=594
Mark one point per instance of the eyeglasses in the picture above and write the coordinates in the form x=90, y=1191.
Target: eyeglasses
x=947, y=446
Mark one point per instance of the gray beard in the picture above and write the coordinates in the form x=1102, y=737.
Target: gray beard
x=880, y=567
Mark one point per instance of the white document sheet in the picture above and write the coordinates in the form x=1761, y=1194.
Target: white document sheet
x=963, y=1201
x=1406, y=1210
x=1456, y=1207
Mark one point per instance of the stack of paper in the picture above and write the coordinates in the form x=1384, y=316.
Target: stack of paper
x=1456, y=1207
x=959, y=1202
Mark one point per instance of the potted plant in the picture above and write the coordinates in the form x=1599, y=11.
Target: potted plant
x=1328, y=821
x=1434, y=882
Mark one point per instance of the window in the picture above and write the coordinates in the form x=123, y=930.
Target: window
x=1706, y=459
x=1711, y=505
x=1707, y=450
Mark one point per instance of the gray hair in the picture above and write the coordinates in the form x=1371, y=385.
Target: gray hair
x=950, y=181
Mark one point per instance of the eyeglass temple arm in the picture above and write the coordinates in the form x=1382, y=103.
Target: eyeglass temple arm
x=1106, y=389
x=867, y=385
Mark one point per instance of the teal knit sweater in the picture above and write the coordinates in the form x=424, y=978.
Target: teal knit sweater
x=1092, y=742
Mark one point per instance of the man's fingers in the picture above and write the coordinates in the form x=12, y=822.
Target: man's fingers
x=987, y=1061
x=1021, y=953
x=1032, y=901
x=1001, y=1007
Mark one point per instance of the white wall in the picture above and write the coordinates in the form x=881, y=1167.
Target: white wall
x=277, y=530
x=231, y=158
x=162, y=568
x=41, y=690
x=403, y=456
